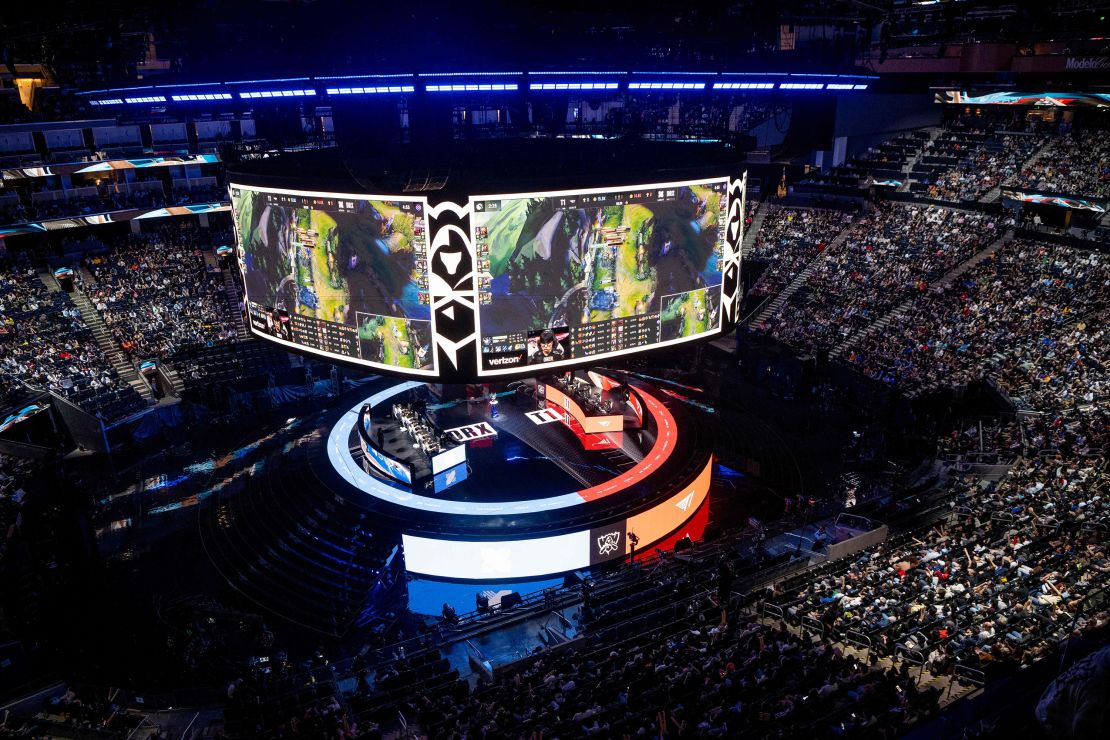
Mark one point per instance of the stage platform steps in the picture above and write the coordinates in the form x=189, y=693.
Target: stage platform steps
x=290, y=545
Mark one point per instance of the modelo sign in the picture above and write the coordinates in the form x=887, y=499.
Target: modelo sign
x=1088, y=63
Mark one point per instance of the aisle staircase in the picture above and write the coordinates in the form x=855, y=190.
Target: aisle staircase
x=907, y=168
x=231, y=295
x=751, y=231
x=177, y=383
x=992, y=195
x=799, y=280
x=108, y=345
x=898, y=311
x=950, y=276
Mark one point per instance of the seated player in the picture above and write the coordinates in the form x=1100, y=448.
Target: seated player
x=545, y=349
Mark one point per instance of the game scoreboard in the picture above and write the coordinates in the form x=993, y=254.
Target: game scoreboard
x=344, y=276
x=600, y=272
x=524, y=283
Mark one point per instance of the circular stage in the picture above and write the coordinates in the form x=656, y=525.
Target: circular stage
x=544, y=477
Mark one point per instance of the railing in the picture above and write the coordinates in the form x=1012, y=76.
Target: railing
x=858, y=639
x=973, y=676
x=812, y=625
x=773, y=611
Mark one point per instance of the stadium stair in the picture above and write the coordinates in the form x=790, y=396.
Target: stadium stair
x=907, y=169
x=963, y=267
x=751, y=232
x=992, y=195
x=177, y=384
x=1037, y=154
x=118, y=360
x=231, y=295
x=855, y=337
x=799, y=280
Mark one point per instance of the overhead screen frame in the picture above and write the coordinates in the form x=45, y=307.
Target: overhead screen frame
x=580, y=361
x=430, y=373
x=456, y=350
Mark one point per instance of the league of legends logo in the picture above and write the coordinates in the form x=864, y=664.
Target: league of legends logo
x=607, y=543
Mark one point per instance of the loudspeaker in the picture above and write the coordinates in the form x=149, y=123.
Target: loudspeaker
x=509, y=600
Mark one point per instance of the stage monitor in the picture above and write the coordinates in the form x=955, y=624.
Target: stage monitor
x=592, y=274
x=449, y=458
x=452, y=476
x=392, y=468
x=339, y=275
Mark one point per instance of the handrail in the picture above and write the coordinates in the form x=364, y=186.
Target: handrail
x=910, y=655
x=971, y=675
x=813, y=625
x=858, y=638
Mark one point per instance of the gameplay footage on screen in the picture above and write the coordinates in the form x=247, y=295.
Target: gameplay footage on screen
x=560, y=278
x=338, y=274
x=569, y=276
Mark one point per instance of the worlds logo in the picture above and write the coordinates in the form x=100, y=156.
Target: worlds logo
x=608, y=543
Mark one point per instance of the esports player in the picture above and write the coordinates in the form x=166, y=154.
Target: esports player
x=546, y=349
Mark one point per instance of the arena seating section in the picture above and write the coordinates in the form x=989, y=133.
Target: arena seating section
x=159, y=296
x=46, y=345
x=920, y=297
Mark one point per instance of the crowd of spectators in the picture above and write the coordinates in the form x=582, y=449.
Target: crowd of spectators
x=45, y=344
x=981, y=163
x=1014, y=569
x=12, y=210
x=13, y=472
x=75, y=713
x=158, y=295
x=1001, y=439
x=1019, y=316
x=788, y=240
x=891, y=253
x=278, y=698
x=994, y=587
x=679, y=671
x=1077, y=163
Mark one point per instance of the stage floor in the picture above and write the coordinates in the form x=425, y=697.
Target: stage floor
x=549, y=457
x=537, y=502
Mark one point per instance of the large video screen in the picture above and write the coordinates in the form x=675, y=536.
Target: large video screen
x=593, y=273
x=340, y=275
